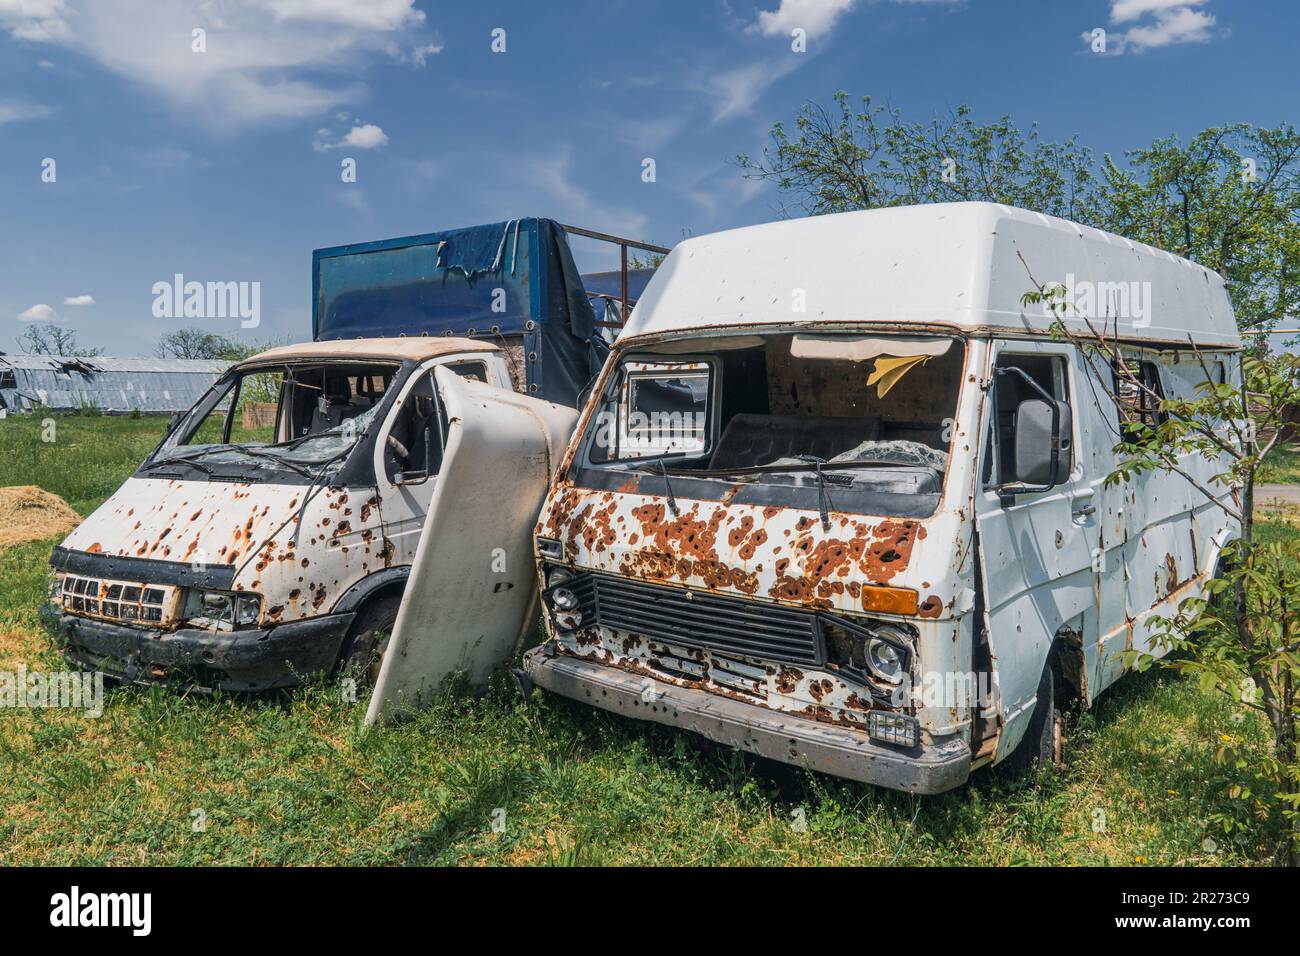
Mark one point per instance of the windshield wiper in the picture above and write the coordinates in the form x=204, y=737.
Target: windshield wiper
x=823, y=496
x=668, y=485
x=271, y=456
x=180, y=460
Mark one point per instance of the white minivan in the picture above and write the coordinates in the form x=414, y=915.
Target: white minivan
x=839, y=498
x=268, y=539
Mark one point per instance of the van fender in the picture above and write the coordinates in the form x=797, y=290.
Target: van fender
x=363, y=590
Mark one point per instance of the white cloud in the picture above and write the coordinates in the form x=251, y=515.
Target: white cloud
x=814, y=17
x=265, y=60
x=734, y=92
x=365, y=136
x=38, y=313
x=1180, y=25
x=1165, y=23
x=365, y=15
x=79, y=300
x=569, y=202
x=13, y=111
x=1122, y=11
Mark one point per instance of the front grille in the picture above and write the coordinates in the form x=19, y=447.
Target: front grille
x=115, y=600
x=697, y=619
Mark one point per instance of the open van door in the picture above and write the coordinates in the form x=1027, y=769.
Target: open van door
x=472, y=595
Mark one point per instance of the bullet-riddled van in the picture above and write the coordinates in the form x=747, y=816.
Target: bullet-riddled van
x=839, y=496
x=268, y=539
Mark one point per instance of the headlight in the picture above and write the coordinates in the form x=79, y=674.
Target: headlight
x=226, y=607
x=56, y=588
x=563, y=601
x=885, y=660
x=880, y=648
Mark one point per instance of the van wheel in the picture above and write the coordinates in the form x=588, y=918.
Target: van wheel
x=1043, y=740
x=363, y=652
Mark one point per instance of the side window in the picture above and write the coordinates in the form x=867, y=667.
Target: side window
x=1138, y=403
x=1048, y=372
x=474, y=371
x=664, y=409
x=413, y=445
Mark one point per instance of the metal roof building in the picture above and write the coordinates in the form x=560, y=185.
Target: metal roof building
x=112, y=385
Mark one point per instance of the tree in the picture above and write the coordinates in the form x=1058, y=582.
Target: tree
x=1228, y=199
x=841, y=159
x=1242, y=638
x=44, y=339
x=195, y=343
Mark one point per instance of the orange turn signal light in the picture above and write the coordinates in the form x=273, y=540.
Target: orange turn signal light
x=889, y=600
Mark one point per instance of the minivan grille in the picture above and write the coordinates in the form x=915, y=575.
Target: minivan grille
x=690, y=618
x=115, y=600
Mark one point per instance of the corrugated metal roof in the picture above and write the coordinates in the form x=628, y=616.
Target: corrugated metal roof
x=60, y=382
x=46, y=362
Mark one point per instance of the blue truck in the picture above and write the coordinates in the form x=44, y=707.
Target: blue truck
x=514, y=283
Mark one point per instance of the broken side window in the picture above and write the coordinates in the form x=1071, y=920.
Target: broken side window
x=1138, y=402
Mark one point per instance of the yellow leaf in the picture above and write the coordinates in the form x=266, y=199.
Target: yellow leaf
x=889, y=370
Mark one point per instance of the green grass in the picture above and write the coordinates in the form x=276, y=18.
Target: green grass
x=291, y=779
x=1282, y=466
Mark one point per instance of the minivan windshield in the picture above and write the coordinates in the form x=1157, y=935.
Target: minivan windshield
x=300, y=418
x=857, y=422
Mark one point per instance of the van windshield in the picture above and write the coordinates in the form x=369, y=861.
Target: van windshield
x=784, y=418
x=300, y=418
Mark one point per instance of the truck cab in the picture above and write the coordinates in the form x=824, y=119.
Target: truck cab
x=268, y=538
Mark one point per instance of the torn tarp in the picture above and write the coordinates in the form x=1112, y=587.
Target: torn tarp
x=511, y=282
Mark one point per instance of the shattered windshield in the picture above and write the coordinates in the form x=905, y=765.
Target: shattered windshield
x=303, y=418
x=784, y=416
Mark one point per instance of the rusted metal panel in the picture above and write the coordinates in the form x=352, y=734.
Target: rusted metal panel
x=472, y=593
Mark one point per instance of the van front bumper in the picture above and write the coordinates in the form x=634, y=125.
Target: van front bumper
x=192, y=658
x=826, y=748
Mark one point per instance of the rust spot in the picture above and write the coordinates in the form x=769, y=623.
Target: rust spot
x=930, y=607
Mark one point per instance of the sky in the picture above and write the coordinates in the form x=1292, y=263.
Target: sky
x=141, y=139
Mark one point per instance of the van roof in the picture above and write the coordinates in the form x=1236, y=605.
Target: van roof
x=416, y=348
x=958, y=264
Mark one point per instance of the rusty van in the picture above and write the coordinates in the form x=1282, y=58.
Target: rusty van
x=838, y=497
x=269, y=537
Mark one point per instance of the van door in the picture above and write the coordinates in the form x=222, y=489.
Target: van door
x=1036, y=548
x=472, y=595
x=408, y=456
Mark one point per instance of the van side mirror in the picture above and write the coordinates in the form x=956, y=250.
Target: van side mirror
x=1042, y=444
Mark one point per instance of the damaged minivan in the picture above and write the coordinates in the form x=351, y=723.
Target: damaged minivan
x=268, y=539
x=839, y=498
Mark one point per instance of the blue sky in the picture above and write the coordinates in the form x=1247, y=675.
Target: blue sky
x=224, y=165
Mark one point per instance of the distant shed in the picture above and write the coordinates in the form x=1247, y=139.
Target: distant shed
x=111, y=385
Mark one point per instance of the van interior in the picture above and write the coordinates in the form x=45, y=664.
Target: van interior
x=774, y=408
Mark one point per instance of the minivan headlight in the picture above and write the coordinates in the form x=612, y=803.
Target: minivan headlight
x=233, y=609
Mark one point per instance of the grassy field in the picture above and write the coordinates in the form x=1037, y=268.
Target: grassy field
x=487, y=780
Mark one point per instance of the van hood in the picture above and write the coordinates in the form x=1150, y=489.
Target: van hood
x=765, y=553
x=207, y=522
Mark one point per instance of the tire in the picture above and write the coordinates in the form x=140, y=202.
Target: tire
x=363, y=652
x=1041, y=745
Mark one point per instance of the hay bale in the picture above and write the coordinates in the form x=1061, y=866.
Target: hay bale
x=28, y=513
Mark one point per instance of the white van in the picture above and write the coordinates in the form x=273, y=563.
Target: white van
x=269, y=537
x=838, y=498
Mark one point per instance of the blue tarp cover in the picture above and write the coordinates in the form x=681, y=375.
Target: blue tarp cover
x=483, y=281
